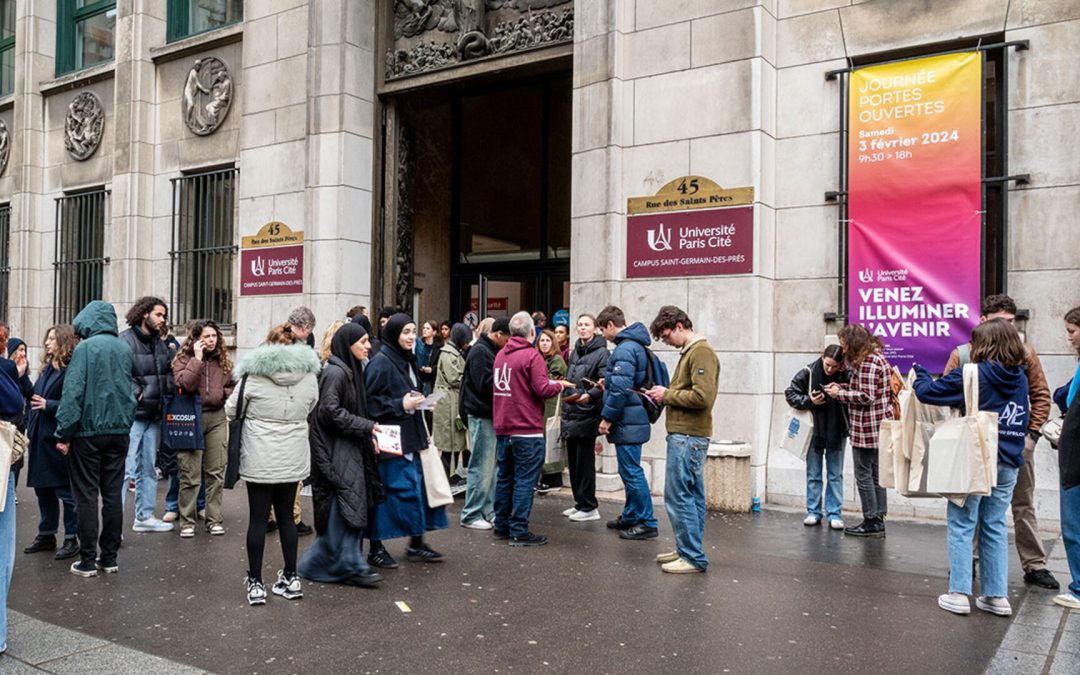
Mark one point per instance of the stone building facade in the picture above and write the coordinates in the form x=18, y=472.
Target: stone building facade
x=365, y=124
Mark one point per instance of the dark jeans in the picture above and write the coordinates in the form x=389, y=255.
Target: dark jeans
x=96, y=465
x=581, y=460
x=49, y=500
x=871, y=494
x=261, y=497
x=519, y=460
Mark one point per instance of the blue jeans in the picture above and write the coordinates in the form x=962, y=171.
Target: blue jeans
x=988, y=513
x=480, y=485
x=172, y=495
x=684, y=495
x=49, y=500
x=142, y=452
x=7, y=555
x=638, y=509
x=834, y=487
x=520, y=460
x=1070, y=533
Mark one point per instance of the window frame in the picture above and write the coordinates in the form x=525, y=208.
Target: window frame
x=5, y=258
x=68, y=292
x=7, y=44
x=178, y=21
x=68, y=16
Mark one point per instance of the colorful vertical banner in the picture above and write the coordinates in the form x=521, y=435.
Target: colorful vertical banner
x=914, y=205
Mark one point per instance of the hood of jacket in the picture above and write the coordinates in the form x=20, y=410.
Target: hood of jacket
x=636, y=332
x=283, y=364
x=597, y=342
x=1008, y=380
x=516, y=344
x=97, y=318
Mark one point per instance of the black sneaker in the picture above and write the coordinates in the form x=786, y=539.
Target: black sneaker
x=639, y=531
x=529, y=539
x=619, y=524
x=367, y=579
x=70, y=549
x=500, y=534
x=383, y=559
x=423, y=553
x=256, y=591
x=84, y=568
x=107, y=568
x=42, y=542
x=303, y=529
x=287, y=586
x=867, y=528
x=1043, y=579
x=543, y=489
x=271, y=526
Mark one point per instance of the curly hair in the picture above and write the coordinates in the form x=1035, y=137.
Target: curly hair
x=142, y=307
x=667, y=318
x=66, y=339
x=858, y=343
x=194, y=332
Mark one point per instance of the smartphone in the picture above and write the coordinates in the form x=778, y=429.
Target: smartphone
x=589, y=382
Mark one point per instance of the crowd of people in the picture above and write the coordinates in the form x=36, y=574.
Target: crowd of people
x=112, y=409
x=851, y=391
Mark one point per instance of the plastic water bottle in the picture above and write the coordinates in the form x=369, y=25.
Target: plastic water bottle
x=755, y=505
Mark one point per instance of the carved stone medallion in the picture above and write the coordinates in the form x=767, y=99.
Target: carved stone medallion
x=5, y=147
x=84, y=125
x=207, y=95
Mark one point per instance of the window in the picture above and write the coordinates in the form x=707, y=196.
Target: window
x=80, y=249
x=7, y=47
x=85, y=32
x=204, y=246
x=5, y=261
x=191, y=17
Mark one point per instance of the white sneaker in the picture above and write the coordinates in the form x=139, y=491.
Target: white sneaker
x=957, y=603
x=256, y=592
x=287, y=587
x=569, y=512
x=1067, y=600
x=585, y=516
x=836, y=524
x=999, y=606
x=152, y=524
x=170, y=516
x=478, y=524
x=811, y=521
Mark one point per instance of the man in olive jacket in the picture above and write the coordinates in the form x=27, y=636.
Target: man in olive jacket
x=689, y=402
x=95, y=415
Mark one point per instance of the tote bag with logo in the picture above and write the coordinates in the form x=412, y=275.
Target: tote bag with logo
x=181, y=423
x=799, y=426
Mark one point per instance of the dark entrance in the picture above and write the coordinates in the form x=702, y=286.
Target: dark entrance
x=488, y=171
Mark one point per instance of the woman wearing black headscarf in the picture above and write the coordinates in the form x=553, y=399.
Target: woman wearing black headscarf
x=344, y=478
x=392, y=399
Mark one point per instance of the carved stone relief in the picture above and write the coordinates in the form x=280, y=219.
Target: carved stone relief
x=403, y=243
x=84, y=125
x=431, y=34
x=5, y=147
x=207, y=95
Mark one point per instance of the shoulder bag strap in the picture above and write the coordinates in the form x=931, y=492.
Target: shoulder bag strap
x=971, y=388
x=241, y=407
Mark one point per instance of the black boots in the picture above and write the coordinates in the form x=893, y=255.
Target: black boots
x=869, y=527
x=69, y=550
x=42, y=542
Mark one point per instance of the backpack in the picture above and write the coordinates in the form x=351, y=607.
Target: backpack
x=656, y=373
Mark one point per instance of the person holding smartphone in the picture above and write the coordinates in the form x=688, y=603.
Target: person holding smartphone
x=830, y=432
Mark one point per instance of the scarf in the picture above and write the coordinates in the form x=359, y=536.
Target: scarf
x=340, y=346
x=392, y=331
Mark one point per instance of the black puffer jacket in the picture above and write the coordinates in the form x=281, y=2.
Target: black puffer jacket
x=587, y=361
x=151, y=374
x=1069, y=447
x=478, y=383
x=342, y=457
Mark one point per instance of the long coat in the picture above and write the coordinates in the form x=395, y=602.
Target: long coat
x=48, y=467
x=449, y=431
x=342, y=457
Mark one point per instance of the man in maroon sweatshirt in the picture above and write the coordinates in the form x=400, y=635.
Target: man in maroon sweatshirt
x=521, y=385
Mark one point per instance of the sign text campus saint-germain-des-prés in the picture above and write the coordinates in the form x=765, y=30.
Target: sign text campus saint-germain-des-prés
x=691, y=227
x=272, y=261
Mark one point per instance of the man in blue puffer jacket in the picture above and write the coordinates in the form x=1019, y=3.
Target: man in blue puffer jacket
x=624, y=420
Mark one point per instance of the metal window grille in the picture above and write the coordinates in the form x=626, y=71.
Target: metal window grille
x=204, y=246
x=5, y=260
x=80, y=262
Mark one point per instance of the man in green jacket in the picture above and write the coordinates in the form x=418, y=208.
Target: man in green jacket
x=689, y=402
x=95, y=415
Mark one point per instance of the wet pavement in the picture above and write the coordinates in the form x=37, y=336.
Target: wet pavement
x=778, y=597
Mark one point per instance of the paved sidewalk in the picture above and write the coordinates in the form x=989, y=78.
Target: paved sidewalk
x=778, y=597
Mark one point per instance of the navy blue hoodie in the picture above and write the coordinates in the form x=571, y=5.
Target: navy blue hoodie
x=1002, y=389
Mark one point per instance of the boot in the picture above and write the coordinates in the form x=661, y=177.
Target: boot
x=869, y=527
x=70, y=549
x=42, y=542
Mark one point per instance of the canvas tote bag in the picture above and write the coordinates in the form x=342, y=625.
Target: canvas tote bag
x=554, y=448
x=436, y=484
x=799, y=426
x=963, y=451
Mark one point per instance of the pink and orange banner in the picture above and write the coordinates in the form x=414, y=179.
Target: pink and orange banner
x=915, y=203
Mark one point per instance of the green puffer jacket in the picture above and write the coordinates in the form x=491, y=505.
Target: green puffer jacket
x=97, y=398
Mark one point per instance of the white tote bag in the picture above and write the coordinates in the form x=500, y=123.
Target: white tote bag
x=554, y=448
x=799, y=426
x=436, y=484
x=962, y=456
